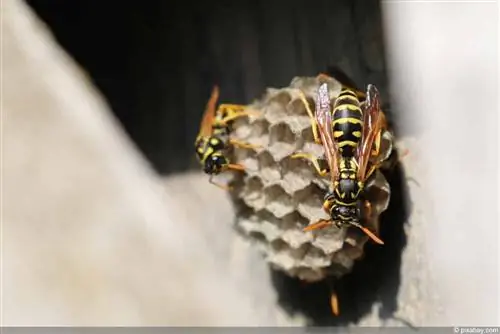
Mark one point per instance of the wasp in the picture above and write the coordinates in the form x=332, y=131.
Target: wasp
x=350, y=133
x=214, y=140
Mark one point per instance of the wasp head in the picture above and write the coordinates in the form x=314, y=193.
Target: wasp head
x=344, y=215
x=215, y=164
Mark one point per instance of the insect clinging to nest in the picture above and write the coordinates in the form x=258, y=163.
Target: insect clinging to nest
x=350, y=134
x=214, y=140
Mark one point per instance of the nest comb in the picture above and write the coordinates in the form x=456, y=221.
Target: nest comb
x=278, y=196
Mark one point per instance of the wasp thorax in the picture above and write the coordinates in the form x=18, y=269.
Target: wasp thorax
x=215, y=164
x=348, y=189
x=344, y=199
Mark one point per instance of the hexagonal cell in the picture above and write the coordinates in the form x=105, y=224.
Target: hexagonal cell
x=351, y=248
x=293, y=221
x=257, y=236
x=281, y=97
x=282, y=260
x=297, y=174
x=316, y=259
x=329, y=240
x=378, y=192
x=241, y=122
x=255, y=134
x=253, y=195
x=296, y=238
x=269, y=225
x=246, y=158
x=309, y=202
x=343, y=259
x=307, y=135
x=279, y=245
x=276, y=111
x=297, y=107
x=307, y=274
x=297, y=124
x=300, y=252
x=306, y=143
x=250, y=223
x=260, y=127
x=278, y=202
x=242, y=130
x=268, y=216
x=281, y=141
x=269, y=169
x=315, y=252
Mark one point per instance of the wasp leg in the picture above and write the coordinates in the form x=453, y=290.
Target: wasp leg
x=236, y=115
x=313, y=160
x=235, y=107
x=377, y=143
x=236, y=167
x=334, y=303
x=369, y=233
x=371, y=170
x=314, y=126
x=322, y=223
x=334, y=300
x=238, y=143
x=221, y=186
x=327, y=205
x=376, y=150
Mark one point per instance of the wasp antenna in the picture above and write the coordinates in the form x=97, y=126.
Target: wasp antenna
x=372, y=236
x=235, y=167
x=369, y=233
x=317, y=225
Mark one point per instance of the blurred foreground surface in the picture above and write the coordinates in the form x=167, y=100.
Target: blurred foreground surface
x=90, y=237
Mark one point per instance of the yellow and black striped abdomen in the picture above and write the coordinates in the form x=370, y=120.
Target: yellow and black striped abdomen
x=347, y=122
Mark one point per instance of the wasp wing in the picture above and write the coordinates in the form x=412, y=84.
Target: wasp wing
x=209, y=114
x=324, y=120
x=373, y=122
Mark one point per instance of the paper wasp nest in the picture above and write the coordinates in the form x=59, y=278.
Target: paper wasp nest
x=278, y=196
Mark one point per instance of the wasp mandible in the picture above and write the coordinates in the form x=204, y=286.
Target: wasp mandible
x=213, y=139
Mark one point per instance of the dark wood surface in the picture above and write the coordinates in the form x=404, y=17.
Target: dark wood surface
x=156, y=61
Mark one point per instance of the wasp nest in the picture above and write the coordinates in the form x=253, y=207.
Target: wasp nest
x=278, y=196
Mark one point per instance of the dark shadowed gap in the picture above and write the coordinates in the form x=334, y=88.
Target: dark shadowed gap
x=156, y=61
x=375, y=279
